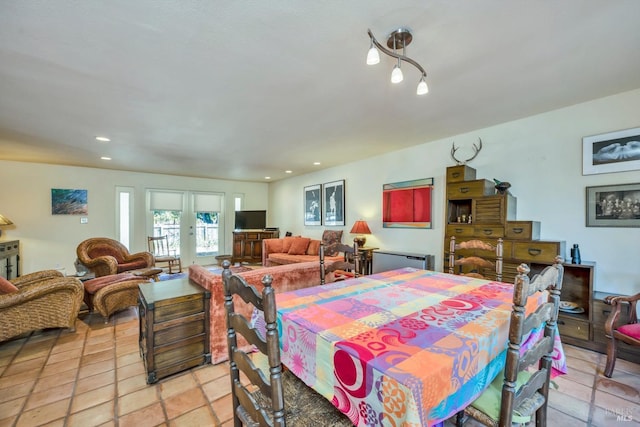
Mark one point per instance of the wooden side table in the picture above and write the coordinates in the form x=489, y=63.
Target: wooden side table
x=174, y=327
x=366, y=259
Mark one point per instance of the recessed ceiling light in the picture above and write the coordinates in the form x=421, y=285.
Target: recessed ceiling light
x=267, y=177
x=105, y=158
x=316, y=163
x=102, y=139
x=288, y=172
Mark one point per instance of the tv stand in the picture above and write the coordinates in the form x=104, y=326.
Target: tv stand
x=247, y=244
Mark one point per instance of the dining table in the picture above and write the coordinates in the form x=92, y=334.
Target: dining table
x=406, y=347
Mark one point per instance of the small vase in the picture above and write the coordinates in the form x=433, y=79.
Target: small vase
x=575, y=254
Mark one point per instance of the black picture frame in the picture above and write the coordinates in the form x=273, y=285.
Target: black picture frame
x=613, y=205
x=611, y=152
x=313, y=205
x=333, y=212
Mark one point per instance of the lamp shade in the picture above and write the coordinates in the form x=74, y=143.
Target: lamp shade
x=4, y=220
x=360, y=227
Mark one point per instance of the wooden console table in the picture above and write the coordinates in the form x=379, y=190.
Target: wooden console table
x=10, y=250
x=247, y=245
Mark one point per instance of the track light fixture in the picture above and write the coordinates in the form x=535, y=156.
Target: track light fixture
x=398, y=39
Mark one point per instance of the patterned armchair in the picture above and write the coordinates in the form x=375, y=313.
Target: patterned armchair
x=45, y=299
x=105, y=256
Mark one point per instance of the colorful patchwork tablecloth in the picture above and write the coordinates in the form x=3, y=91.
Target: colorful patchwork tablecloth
x=405, y=347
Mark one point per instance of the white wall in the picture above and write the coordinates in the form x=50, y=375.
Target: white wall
x=541, y=156
x=50, y=241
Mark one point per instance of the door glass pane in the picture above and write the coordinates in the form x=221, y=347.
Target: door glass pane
x=168, y=223
x=206, y=233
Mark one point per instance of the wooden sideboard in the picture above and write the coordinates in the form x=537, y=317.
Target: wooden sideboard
x=247, y=244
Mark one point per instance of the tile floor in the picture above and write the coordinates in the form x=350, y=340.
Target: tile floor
x=58, y=378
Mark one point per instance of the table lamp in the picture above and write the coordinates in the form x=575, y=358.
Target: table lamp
x=4, y=221
x=360, y=228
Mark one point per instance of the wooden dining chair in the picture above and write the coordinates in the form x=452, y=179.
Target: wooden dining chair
x=483, y=259
x=523, y=390
x=620, y=327
x=273, y=397
x=159, y=247
x=347, y=268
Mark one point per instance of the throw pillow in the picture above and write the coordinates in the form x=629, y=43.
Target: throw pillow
x=6, y=287
x=330, y=238
x=314, y=247
x=299, y=246
x=286, y=244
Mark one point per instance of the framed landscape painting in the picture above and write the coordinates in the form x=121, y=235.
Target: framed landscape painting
x=333, y=203
x=613, y=205
x=68, y=202
x=611, y=152
x=312, y=205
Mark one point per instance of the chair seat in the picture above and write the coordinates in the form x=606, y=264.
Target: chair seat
x=489, y=401
x=631, y=330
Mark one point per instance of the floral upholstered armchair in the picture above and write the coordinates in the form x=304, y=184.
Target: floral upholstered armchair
x=104, y=256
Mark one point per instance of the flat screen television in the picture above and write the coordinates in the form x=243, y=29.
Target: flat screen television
x=250, y=220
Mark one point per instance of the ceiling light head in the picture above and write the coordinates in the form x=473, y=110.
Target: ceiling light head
x=399, y=39
x=373, y=56
x=102, y=139
x=422, y=89
x=396, y=74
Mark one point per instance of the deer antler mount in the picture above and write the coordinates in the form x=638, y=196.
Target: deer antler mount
x=476, y=150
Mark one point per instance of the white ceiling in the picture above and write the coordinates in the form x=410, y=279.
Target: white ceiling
x=248, y=89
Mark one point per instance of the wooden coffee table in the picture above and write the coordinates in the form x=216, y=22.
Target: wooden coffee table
x=149, y=273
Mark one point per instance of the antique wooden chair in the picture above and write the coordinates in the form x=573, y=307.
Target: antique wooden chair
x=479, y=263
x=159, y=247
x=267, y=398
x=342, y=270
x=523, y=390
x=627, y=332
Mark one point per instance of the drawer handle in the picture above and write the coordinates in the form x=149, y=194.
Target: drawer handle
x=455, y=174
x=518, y=230
x=464, y=189
x=487, y=232
x=459, y=230
x=534, y=251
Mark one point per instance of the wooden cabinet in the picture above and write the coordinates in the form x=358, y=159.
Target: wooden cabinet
x=174, y=327
x=476, y=211
x=247, y=244
x=577, y=288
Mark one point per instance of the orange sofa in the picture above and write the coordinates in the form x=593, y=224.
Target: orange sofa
x=291, y=250
x=285, y=278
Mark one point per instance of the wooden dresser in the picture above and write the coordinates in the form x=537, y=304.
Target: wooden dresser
x=247, y=245
x=174, y=327
x=475, y=211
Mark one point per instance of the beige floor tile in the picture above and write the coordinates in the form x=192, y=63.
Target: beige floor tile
x=55, y=368
x=184, y=402
x=128, y=359
x=131, y=384
x=45, y=397
x=44, y=414
x=62, y=356
x=574, y=389
x=96, y=368
x=217, y=388
x=15, y=391
x=96, y=415
x=92, y=398
x=618, y=388
x=131, y=370
x=222, y=408
x=26, y=366
x=12, y=407
x=207, y=373
x=95, y=381
x=148, y=416
x=569, y=405
x=137, y=400
x=202, y=416
x=64, y=377
x=559, y=418
x=175, y=385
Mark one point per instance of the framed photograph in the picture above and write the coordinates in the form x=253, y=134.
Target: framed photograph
x=313, y=205
x=333, y=203
x=611, y=152
x=613, y=205
x=68, y=202
x=407, y=204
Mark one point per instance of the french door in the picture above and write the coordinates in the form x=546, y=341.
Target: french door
x=193, y=222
